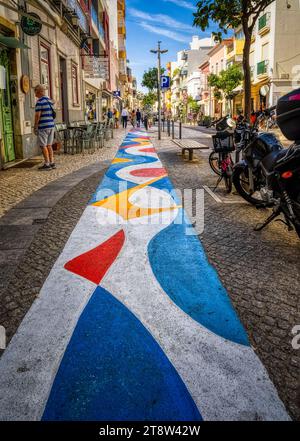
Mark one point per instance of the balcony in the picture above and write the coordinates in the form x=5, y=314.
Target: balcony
x=83, y=22
x=262, y=68
x=122, y=54
x=121, y=27
x=264, y=24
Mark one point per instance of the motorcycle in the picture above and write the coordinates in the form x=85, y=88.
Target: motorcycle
x=269, y=175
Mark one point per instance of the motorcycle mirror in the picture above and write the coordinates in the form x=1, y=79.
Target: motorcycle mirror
x=264, y=90
x=231, y=123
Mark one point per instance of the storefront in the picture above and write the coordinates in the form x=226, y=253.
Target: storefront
x=10, y=104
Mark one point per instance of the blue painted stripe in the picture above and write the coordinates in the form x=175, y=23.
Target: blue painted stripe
x=113, y=370
x=180, y=265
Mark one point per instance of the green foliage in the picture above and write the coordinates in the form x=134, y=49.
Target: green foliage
x=193, y=105
x=149, y=100
x=224, y=83
x=230, y=14
x=150, y=78
x=176, y=72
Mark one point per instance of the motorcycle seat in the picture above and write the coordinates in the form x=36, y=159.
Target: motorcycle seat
x=271, y=159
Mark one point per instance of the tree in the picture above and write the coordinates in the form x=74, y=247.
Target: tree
x=226, y=82
x=232, y=14
x=149, y=100
x=193, y=105
x=150, y=79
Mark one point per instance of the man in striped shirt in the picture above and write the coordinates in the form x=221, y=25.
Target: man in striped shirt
x=44, y=126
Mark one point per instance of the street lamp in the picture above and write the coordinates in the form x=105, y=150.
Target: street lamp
x=159, y=51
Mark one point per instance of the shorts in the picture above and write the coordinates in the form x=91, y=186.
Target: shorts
x=45, y=137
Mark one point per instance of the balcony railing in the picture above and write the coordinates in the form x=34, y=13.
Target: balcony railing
x=262, y=67
x=83, y=22
x=263, y=23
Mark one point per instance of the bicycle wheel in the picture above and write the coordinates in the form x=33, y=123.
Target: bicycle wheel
x=214, y=163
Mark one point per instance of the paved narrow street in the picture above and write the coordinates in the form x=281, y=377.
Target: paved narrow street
x=133, y=322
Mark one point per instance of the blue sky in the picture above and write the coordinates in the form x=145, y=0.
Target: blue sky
x=148, y=21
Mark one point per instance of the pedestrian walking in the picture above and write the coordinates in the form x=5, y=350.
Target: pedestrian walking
x=138, y=117
x=124, y=118
x=116, y=117
x=146, y=121
x=109, y=118
x=44, y=126
x=133, y=118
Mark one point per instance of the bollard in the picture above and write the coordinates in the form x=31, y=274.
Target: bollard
x=173, y=129
x=180, y=130
x=168, y=127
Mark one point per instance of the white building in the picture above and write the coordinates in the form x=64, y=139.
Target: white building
x=275, y=54
x=185, y=72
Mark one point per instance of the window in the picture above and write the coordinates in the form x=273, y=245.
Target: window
x=265, y=52
x=75, y=84
x=45, y=68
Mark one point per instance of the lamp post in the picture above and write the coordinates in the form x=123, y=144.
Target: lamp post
x=159, y=51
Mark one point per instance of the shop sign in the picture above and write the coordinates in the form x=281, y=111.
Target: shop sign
x=30, y=26
x=96, y=67
x=117, y=93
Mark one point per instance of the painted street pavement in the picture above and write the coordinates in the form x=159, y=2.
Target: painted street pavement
x=132, y=322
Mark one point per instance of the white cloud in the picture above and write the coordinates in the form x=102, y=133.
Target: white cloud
x=161, y=19
x=166, y=32
x=183, y=4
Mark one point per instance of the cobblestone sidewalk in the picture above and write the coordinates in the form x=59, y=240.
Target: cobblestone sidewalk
x=259, y=270
x=18, y=183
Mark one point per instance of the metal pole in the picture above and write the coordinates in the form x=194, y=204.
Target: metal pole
x=158, y=51
x=180, y=130
x=173, y=129
x=169, y=127
x=158, y=90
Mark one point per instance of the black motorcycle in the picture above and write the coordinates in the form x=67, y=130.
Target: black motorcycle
x=269, y=175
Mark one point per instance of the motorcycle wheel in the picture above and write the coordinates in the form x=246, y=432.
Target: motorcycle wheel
x=240, y=180
x=214, y=163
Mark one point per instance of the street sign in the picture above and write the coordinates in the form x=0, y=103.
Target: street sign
x=164, y=82
x=117, y=93
x=30, y=26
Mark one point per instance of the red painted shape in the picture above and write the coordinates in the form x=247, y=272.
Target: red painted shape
x=149, y=172
x=149, y=150
x=94, y=264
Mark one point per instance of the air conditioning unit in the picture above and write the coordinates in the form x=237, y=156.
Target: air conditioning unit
x=284, y=76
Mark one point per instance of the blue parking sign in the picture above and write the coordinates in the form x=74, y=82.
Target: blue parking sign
x=165, y=82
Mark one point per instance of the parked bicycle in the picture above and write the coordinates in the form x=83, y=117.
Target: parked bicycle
x=220, y=159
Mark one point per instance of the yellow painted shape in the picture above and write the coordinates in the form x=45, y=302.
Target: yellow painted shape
x=122, y=206
x=121, y=160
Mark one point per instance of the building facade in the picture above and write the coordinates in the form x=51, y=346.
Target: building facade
x=79, y=55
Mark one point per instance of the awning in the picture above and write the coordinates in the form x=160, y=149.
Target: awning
x=12, y=42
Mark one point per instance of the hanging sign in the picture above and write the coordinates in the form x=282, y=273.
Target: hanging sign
x=30, y=26
x=96, y=67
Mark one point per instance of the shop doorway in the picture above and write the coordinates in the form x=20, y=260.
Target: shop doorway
x=6, y=118
x=63, y=89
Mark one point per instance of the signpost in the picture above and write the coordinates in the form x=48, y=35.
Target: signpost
x=165, y=82
x=30, y=26
x=159, y=51
x=117, y=93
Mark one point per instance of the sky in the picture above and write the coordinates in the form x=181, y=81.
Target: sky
x=148, y=21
